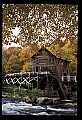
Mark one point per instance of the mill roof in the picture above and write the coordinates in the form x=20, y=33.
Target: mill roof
x=43, y=48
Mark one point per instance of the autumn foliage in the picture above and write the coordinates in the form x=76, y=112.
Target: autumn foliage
x=18, y=59
x=53, y=25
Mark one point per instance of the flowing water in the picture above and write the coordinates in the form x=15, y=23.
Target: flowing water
x=12, y=106
x=62, y=93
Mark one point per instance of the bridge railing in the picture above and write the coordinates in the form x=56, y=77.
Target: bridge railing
x=27, y=74
x=23, y=77
x=69, y=78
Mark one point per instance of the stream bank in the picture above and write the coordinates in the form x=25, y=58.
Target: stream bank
x=13, y=105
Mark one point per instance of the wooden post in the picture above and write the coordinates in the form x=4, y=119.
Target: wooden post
x=47, y=78
x=37, y=79
x=19, y=87
x=68, y=69
x=75, y=79
x=21, y=76
x=68, y=79
x=62, y=78
x=29, y=80
x=32, y=86
x=28, y=85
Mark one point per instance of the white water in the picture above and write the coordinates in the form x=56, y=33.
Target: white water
x=23, y=108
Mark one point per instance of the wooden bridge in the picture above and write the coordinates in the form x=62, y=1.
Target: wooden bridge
x=24, y=78
x=35, y=79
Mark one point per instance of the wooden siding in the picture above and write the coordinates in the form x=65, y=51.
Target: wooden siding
x=44, y=60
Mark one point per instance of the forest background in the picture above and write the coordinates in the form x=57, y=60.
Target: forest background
x=53, y=25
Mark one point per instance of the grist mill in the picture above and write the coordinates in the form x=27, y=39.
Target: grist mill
x=45, y=61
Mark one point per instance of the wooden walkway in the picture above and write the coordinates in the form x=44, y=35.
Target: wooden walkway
x=24, y=78
x=29, y=77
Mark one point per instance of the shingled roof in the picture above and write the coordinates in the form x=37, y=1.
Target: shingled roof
x=43, y=48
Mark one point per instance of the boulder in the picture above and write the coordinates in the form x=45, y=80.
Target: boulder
x=26, y=99
x=47, y=101
x=40, y=100
x=44, y=100
x=55, y=99
x=71, y=104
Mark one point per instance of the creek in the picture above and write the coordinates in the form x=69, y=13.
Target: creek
x=13, y=106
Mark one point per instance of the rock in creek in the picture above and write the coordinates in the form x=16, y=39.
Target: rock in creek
x=44, y=100
x=27, y=99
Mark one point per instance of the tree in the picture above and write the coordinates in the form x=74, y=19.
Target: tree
x=26, y=67
x=13, y=64
x=67, y=51
x=13, y=50
x=39, y=23
x=73, y=68
x=25, y=54
x=16, y=59
x=4, y=61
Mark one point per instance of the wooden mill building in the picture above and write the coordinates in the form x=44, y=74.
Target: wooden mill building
x=44, y=61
